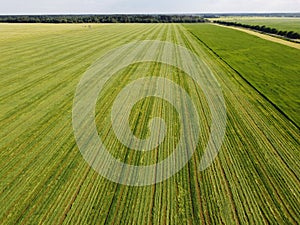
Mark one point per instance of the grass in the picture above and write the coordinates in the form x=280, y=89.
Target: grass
x=280, y=23
x=44, y=179
x=270, y=67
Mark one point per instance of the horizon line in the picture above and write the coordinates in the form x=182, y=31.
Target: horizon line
x=143, y=13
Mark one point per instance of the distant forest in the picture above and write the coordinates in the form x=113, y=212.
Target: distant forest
x=269, y=30
x=102, y=19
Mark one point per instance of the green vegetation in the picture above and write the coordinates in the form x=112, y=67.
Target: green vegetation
x=270, y=67
x=102, y=19
x=263, y=28
x=44, y=179
x=280, y=23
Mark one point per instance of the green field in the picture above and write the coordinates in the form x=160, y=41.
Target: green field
x=45, y=180
x=270, y=67
x=280, y=23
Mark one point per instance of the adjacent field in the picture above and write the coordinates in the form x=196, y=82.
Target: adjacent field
x=280, y=23
x=265, y=36
x=44, y=179
x=270, y=67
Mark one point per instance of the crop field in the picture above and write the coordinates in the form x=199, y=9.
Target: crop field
x=44, y=178
x=275, y=75
x=280, y=23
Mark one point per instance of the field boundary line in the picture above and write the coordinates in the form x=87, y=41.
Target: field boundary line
x=264, y=36
x=248, y=82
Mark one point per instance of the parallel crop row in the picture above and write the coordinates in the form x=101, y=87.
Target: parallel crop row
x=44, y=179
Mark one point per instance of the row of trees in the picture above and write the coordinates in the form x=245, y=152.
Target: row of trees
x=102, y=19
x=269, y=30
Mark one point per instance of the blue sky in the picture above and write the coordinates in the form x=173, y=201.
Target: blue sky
x=143, y=6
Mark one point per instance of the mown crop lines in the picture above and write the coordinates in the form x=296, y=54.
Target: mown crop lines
x=44, y=178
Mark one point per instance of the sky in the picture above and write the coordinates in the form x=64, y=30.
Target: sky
x=145, y=6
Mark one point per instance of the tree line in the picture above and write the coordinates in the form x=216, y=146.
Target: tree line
x=102, y=19
x=263, y=28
